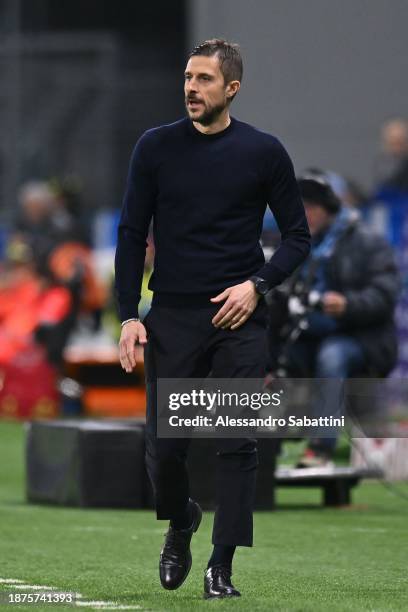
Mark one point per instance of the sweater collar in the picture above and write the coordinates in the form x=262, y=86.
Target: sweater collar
x=199, y=135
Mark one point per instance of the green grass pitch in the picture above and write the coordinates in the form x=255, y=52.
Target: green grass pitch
x=305, y=558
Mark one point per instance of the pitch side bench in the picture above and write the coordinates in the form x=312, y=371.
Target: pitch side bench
x=335, y=482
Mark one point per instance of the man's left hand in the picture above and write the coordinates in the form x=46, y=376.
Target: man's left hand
x=240, y=303
x=334, y=303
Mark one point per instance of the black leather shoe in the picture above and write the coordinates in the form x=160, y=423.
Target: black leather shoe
x=217, y=583
x=175, y=557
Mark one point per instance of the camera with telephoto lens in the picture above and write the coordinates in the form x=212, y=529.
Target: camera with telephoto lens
x=300, y=300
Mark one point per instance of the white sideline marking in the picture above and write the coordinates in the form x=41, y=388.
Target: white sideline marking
x=107, y=605
x=33, y=587
x=16, y=583
x=119, y=607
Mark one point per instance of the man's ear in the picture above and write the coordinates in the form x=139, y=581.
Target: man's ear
x=232, y=88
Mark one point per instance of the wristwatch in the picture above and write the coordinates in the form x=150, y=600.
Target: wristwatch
x=261, y=285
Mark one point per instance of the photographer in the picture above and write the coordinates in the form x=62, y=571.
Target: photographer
x=336, y=312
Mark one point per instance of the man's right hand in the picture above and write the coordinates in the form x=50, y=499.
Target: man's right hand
x=132, y=333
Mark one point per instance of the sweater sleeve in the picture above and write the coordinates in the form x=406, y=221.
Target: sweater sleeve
x=137, y=211
x=287, y=207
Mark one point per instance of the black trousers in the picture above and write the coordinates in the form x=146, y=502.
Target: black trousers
x=183, y=343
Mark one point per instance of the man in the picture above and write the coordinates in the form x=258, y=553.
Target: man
x=391, y=167
x=205, y=180
x=349, y=286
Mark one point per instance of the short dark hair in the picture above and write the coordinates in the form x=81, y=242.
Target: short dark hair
x=314, y=187
x=229, y=55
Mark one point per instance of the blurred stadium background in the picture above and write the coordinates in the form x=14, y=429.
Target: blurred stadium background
x=81, y=80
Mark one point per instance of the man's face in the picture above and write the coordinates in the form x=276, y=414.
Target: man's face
x=206, y=93
x=395, y=138
x=36, y=208
x=317, y=217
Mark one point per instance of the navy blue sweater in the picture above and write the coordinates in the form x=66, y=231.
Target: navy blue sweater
x=207, y=196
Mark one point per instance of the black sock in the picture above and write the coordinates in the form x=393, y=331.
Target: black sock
x=184, y=519
x=221, y=555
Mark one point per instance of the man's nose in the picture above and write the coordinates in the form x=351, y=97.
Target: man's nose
x=191, y=86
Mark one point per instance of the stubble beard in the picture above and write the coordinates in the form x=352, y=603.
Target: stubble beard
x=208, y=115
